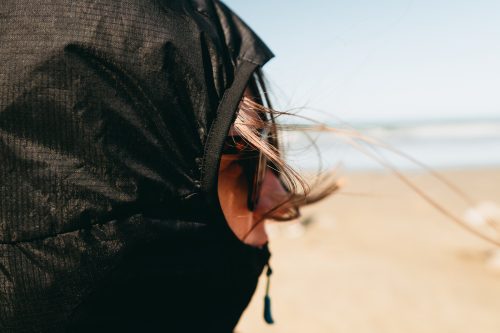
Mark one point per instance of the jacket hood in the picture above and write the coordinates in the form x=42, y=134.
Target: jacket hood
x=115, y=108
x=112, y=119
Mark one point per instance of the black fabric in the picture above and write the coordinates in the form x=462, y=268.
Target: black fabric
x=112, y=118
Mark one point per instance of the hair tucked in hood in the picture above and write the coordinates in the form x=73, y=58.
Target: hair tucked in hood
x=112, y=119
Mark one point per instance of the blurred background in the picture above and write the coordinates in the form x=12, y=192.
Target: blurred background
x=423, y=77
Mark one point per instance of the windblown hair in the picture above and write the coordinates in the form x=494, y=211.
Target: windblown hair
x=251, y=121
x=304, y=191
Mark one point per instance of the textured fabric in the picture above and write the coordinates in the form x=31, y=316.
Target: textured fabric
x=112, y=119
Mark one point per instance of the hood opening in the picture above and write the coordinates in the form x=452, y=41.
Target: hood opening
x=218, y=131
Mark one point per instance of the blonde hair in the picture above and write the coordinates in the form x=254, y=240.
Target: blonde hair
x=249, y=125
x=303, y=191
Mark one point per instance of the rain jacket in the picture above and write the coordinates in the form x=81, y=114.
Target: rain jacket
x=113, y=115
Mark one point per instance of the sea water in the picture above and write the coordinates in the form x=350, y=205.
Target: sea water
x=443, y=144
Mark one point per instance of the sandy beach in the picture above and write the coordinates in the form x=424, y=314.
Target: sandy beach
x=377, y=258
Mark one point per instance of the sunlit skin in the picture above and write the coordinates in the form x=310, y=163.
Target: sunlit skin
x=233, y=192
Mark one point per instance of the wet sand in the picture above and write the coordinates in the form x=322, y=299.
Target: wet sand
x=377, y=258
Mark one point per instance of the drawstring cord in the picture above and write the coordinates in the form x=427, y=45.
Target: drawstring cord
x=267, y=300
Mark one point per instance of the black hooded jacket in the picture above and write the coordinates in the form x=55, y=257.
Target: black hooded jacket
x=113, y=115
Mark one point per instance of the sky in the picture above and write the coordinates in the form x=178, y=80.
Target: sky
x=365, y=60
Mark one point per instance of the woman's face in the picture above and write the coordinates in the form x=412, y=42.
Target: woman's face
x=233, y=189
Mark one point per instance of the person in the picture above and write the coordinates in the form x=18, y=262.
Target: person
x=139, y=159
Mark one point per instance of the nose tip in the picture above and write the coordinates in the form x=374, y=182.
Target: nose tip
x=272, y=194
x=272, y=185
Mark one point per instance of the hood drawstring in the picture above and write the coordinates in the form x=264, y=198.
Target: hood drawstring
x=267, y=300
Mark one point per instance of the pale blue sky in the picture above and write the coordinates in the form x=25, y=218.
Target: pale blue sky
x=382, y=60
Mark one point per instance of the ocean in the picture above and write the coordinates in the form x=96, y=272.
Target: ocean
x=443, y=144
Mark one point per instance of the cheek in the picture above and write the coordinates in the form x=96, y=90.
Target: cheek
x=232, y=189
x=233, y=192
